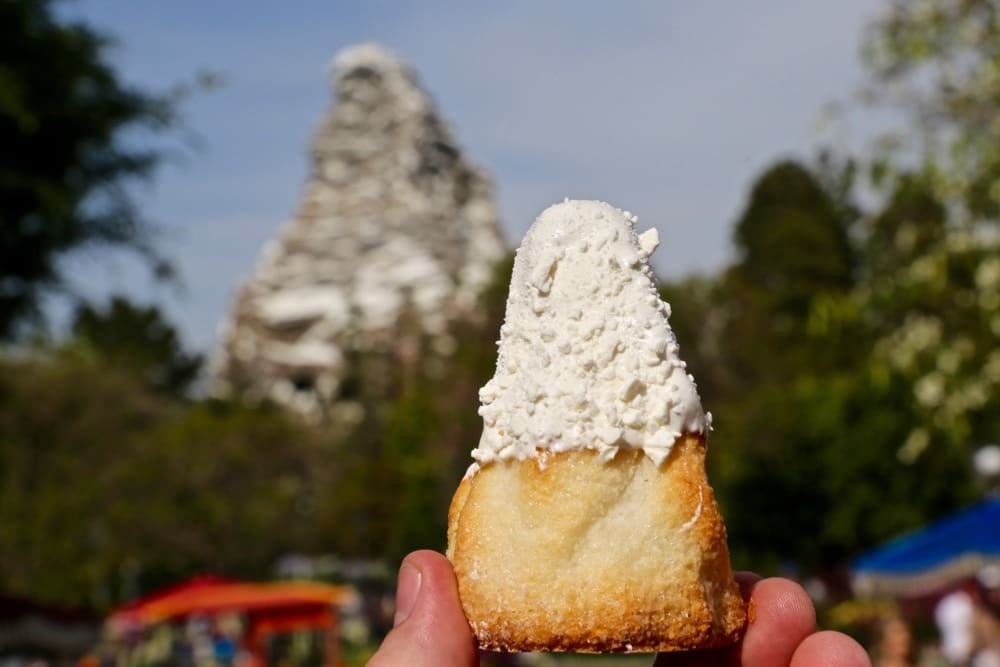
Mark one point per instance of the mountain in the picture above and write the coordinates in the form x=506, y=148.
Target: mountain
x=394, y=223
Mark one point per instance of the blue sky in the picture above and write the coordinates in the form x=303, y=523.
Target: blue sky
x=668, y=109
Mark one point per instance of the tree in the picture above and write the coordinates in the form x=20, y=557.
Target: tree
x=65, y=168
x=939, y=60
x=792, y=240
x=862, y=400
x=911, y=224
x=103, y=478
x=809, y=427
x=793, y=248
x=934, y=290
x=137, y=339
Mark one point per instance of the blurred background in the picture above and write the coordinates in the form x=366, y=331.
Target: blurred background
x=254, y=259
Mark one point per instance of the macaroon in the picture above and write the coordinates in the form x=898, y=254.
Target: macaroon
x=586, y=522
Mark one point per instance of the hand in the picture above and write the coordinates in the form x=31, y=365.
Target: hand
x=430, y=628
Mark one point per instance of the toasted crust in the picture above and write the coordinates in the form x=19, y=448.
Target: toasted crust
x=567, y=553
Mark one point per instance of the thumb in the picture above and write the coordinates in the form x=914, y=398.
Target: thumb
x=430, y=627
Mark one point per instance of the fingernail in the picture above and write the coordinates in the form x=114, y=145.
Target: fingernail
x=407, y=590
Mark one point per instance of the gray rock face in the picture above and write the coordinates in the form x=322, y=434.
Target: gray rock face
x=392, y=220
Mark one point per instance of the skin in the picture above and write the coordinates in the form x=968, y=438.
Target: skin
x=430, y=628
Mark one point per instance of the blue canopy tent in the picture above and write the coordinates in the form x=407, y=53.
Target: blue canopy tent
x=956, y=547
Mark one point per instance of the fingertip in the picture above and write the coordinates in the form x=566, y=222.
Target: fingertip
x=437, y=598
x=830, y=649
x=433, y=629
x=429, y=562
x=785, y=602
x=782, y=616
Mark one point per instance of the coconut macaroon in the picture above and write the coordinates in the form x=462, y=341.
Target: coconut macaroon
x=586, y=522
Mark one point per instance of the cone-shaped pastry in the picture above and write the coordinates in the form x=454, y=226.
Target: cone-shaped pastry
x=587, y=522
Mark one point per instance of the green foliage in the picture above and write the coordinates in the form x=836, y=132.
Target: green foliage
x=812, y=453
x=794, y=249
x=237, y=491
x=64, y=168
x=859, y=412
x=818, y=480
x=62, y=424
x=793, y=240
x=939, y=59
x=139, y=340
x=911, y=224
x=933, y=297
x=103, y=479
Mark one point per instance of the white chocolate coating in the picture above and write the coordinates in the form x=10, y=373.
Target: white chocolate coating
x=587, y=359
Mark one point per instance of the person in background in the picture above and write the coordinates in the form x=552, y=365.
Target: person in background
x=970, y=633
x=895, y=646
x=985, y=633
x=953, y=615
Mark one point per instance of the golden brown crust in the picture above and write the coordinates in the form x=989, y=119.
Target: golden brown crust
x=566, y=553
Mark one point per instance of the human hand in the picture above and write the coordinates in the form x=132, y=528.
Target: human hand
x=430, y=628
